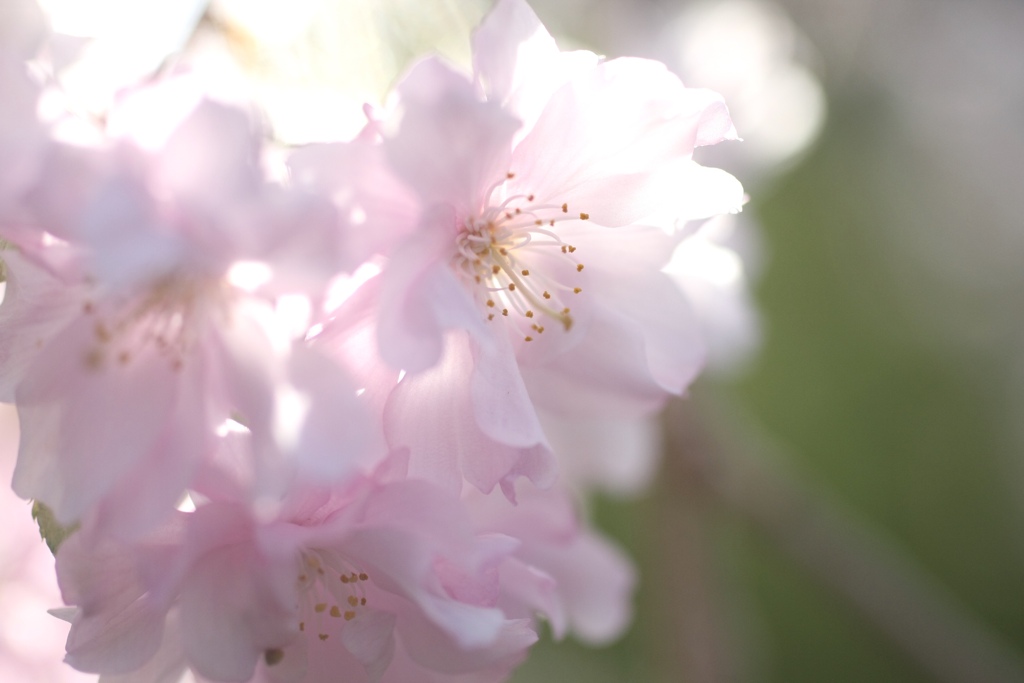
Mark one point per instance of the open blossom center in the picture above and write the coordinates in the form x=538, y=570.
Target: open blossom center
x=166, y=318
x=503, y=253
x=329, y=588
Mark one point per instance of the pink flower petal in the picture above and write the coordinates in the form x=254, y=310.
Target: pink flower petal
x=608, y=133
x=35, y=307
x=370, y=639
x=116, y=628
x=623, y=387
x=420, y=297
x=502, y=407
x=518, y=62
x=86, y=420
x=365, y=192
x=449, y=145
x=115, y=641
x=595, y=581
x=147, y=494
x=333, y=438
x=229, y=614
x=437, y=416
x=431, y=647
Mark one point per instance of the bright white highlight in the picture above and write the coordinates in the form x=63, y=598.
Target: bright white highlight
x=232, y=427
x=293, y=313
x=249, y=275
x=149, y=116
x=291, y=407
x=126, y=41
x=709, y=262
x=187, y=504
x=345, y=286
x=270, y=22
x=746, y=49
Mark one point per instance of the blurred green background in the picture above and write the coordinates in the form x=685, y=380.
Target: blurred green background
x=888, y=382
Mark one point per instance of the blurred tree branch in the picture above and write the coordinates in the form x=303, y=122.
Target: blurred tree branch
x=737, y=467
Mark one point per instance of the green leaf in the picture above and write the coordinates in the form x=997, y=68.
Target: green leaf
x=49, y=528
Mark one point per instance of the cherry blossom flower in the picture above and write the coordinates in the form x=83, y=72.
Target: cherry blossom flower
x=161, y=281
x=273, y=413
x=547, y=194
x=381, y=571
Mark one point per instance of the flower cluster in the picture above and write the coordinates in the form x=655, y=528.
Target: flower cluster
x=298, y=415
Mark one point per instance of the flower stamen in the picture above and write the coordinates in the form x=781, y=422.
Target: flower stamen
x=495, y=250
x=330, y=589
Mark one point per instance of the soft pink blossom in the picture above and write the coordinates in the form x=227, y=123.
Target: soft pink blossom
x=147, y=306
x=383, y=570
x=561, y=570
x=619, y=456
x=714, y=268
x=547, y=193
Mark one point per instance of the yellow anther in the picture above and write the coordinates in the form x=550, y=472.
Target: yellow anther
x=350, y=615
x=320, y=607
x=94, y=359
x=335, y=612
